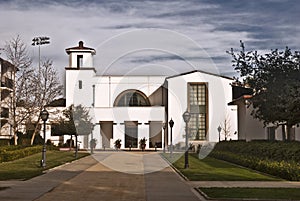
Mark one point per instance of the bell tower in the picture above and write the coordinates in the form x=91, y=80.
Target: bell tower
x=80, y=56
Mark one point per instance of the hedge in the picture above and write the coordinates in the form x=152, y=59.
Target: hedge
x=275, y=151
x=10, y=153
x=280, y=159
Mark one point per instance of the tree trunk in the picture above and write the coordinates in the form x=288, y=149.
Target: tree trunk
x=283, y=132
x=289, y=132
x=71, y=140
x=15, y=133
x=36, y=129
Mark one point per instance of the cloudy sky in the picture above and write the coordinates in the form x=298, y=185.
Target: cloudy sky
x=152, y=37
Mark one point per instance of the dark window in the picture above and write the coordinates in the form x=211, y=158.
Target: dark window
x=4, y=112
x=79, y=61
x=131, y=134
x=271, y=133
x=197, y=93
x=80, y=84
x=132, y=98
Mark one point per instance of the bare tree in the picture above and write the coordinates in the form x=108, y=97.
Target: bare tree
x=16, y=52
x=46, y=87
x=33, y=89
x=226, y=127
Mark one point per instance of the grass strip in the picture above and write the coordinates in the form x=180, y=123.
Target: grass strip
x=28, y=167
x=252, y=193
x=211, y=169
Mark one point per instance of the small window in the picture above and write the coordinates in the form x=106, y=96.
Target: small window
x=79, y=61
x=80, y=84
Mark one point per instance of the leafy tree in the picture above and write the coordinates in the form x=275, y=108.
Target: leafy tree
x=74, y=115
x=275, y=80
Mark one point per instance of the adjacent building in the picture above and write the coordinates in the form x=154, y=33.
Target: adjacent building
x=6, y=92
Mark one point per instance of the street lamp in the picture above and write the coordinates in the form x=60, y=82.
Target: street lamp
x=171, y=123
x=219, y=130
x=164, y=128
x=76, y=122
x=186, y=117
x=44, y=116
x=40, y=41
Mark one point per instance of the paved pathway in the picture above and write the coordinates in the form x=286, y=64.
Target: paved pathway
x=87, y=179
x=117, y=176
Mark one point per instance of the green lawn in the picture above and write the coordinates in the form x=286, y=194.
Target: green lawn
x=210, y=169
x=253, y=193
x=29, y=167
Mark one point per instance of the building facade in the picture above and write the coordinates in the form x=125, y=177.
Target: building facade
x=7, y=86
x=131, y=108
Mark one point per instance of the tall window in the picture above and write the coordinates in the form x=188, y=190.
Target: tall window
x=131, y=134
x=197, y=93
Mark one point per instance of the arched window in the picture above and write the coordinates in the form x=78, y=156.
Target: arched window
x=131, y=98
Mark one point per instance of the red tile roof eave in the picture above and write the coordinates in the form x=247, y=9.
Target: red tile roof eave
x=69, y=50
x=244, y=97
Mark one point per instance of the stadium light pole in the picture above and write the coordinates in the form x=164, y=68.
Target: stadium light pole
x=41, y=40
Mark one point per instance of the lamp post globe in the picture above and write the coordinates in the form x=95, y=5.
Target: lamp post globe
x=171, y=123
x=219, y=130
x=44, y=116
x=186, y=117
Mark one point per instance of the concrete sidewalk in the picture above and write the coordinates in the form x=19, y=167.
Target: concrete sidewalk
x=250, y=184
x=36, y=187
x=88, y=179
x=114, y=176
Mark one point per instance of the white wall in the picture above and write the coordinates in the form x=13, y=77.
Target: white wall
x=87, y=59
x=120, y=114
x=219, y=95
x=77, y=96
x=109, y=87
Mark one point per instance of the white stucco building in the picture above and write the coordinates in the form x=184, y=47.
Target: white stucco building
x=133, y=107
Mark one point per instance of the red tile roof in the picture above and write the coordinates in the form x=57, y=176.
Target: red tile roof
x=79, y=47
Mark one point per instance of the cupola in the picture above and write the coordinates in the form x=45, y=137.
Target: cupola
x=80, y=56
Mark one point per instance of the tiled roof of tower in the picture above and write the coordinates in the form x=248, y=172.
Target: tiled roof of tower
x=80, y=47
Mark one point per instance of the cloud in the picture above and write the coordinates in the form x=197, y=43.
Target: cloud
x=215, y=26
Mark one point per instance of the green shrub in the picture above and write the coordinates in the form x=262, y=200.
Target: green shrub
x=10, y=153
x=276, y=150
x=276, y=158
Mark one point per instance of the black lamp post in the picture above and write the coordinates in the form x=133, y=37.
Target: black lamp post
x=76, y=122
x=171, y=123
x=219, y=130
x=186, y=117
x=164, y=128
x=44, y=116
